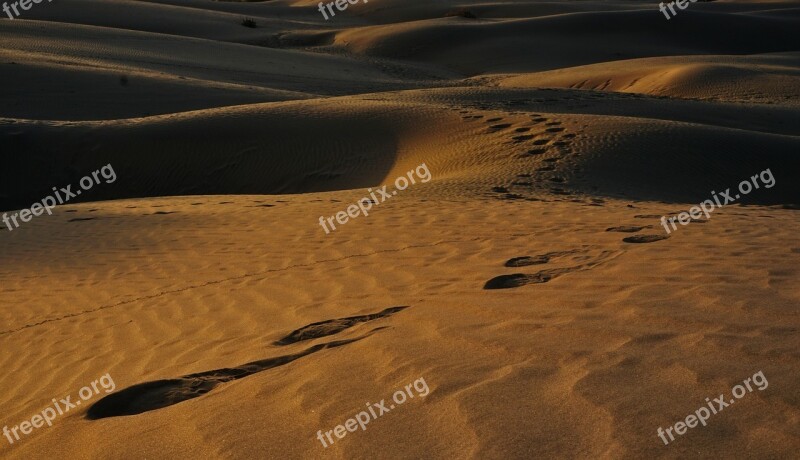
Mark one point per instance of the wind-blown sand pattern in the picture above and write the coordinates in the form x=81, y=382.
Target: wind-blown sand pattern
x=530, y=282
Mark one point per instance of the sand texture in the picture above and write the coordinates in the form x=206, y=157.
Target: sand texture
x=529, y=282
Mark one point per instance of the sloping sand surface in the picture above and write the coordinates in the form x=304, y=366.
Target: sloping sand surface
x=529, y=279
x=769, y=78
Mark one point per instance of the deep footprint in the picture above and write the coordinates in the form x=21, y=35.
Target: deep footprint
x=333, y=326
x=517, y=280
x=148, y=396
x=626, y=229
x=527, y=260
x=645, y=238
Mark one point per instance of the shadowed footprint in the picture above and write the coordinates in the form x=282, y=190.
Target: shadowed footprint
x=523, y=137
x=535, y=152
x=521, y=279
x=81, y=219
x=522, y=130
x=158, y=394
x=644, y=238
x=627, y=228
x=540, y=141
x=554, y=130
x=527, y=260
x=588, y=262
x=333, y=326
x=500, y=126
x=492, y=120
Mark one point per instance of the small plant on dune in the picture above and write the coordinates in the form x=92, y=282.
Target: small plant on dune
x=251, y=23
x=461, y=12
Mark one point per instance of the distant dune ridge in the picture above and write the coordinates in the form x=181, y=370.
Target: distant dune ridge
x=535, y=289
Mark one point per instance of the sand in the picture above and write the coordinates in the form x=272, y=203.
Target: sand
x=530, y=282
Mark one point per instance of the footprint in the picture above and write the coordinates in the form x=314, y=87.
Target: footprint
x=516, y=280
x=627, y=228
x=585, y=262
x=500, y=126
x=553, y=123
x=333, y=326
x=568, y=136
x=491, y=120
x=644, y=238
x=554, y=130
x=524, y=137
x=522, y=130
x=540, y=141
x=535, y=152
x=148, y=396
x=527, y=260
x=81, y=219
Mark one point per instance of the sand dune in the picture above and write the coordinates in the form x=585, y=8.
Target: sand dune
x=529, y=281
x=769, y=78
